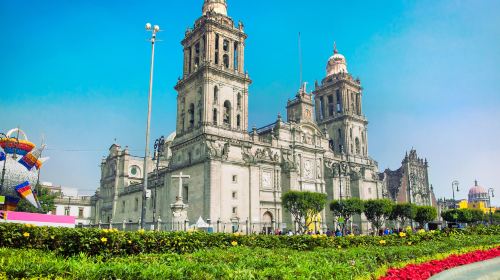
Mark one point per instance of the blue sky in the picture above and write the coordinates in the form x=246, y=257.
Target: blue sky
x=77, y=73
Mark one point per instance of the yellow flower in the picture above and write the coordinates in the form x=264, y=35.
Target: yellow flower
x=339, y=246
x=382, y=242
x=314, y=236
x=141, y=231
x=236, y=234
x=408, y=228
x=402, y=234
x=234, y=243
x=52, y=237
x=105, y=230
x=26, y=234
x=130, y=242
x=350, y=235
x=409, y=243
x=421, y=231
x=104, y=240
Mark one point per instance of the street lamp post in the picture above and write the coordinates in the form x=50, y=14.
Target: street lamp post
x=490, y=195
x=154, y=30
x=454, y=184
x=158, y=151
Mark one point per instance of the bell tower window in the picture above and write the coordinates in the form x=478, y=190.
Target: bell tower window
x=217, y=49
x=225, y=45
x=358, y=150
x=339, y=103
x=214, y=117
x=227, y=113
x=196, y=56
x=216, y=95
x=191, y=115
x=321, y=107
x=330, y=105
x=226, y=61
x=238, y=121
x=238, y=101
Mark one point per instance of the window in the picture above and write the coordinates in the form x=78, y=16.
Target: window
x=238, y=100
x=358, y=150
x=200, y=115
x=350, y=133
x=196, y=55
x=339, y=103
x=189, y=61
x=216, y=94
x=330, y=105
x=235, y=210
x=191, y=115
x=190, y=157
x=235, y=56
x=214, y=117
x=226, y=118
x=185, y=193
x=216, y=48
x=226, y=60
x=80, y=212
x=136, y=206
x=321, y=107
x=66, y=211
x=225, y=45
x=234, y=195
x=358, y=105
x=238, y=121
x=235, y=178
x=123, y=206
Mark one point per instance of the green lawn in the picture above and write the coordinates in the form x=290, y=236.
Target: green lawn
x=239, y=262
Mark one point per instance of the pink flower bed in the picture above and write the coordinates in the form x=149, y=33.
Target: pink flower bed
x=426, y=270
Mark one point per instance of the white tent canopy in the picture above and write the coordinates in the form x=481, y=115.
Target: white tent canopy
x=200, y=224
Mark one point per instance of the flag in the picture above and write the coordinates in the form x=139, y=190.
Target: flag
x=11, y=203
x=24, y=191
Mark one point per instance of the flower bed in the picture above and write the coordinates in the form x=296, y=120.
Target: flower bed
x=426, y=270
x=70, y=242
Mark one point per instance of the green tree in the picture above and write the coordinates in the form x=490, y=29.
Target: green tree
x=425, y=214
x=303, y=205
x=403, y=212
x=45, y=198
x=346, y=209
x=476, y=215
x=377, y=211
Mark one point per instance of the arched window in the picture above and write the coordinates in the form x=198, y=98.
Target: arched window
x=214, y=117
x=225, y=59
x=216, y=95
x=358, y=150
x=350, y=133
x=191, y=115
x=225, y=45
x=238, y=121
x=226, y=118
x=238, y=100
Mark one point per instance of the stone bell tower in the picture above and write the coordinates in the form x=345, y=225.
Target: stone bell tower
x=339, y=108
x=213, y=91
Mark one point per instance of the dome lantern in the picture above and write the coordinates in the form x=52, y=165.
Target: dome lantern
x=336, y=63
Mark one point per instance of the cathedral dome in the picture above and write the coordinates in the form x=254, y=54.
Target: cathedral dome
x=217, y=6
x=337, y=63
x=477, y=193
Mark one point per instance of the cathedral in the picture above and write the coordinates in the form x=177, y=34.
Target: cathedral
x=216, y=168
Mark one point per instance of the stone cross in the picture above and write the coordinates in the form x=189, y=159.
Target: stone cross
x=180, y=177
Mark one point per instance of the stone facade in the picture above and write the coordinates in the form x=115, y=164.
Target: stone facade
x=237, y=176
x=410, y=182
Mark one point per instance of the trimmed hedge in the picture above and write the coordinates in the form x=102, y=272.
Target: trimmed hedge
x=91, y=242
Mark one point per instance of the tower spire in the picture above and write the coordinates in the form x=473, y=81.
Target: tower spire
x=335, y=51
